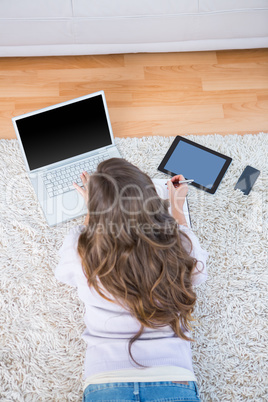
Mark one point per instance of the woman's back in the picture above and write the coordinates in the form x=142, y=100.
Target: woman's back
x=109, y=326
x=134, y=268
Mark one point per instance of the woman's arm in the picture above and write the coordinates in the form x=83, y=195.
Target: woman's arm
x=199, y=274
x=69, y=265
x=180, y=218
x=177, y=195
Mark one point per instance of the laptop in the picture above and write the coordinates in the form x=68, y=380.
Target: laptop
x=58, y=143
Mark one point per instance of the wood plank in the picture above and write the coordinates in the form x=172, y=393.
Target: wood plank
x=246, y=110
x=119, y=92
x=257, y=56
x=137, y=89
x=172, y=97
x=61, y=62
x=91, y=74
x=170, y=59
x=173, y=128
x=132, y=128
x=160, y=113
x=25, y=105
x=262, y=94
x=231, y=126
x=239, y=80
x=172, y=73
x=24, y=85
x=7, y=104
x=23, y=89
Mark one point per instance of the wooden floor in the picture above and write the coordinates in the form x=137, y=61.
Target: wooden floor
x=222, y=92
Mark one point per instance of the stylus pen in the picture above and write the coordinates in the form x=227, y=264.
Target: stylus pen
x=182, y=181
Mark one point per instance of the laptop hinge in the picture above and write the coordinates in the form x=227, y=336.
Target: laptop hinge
x=71, y=160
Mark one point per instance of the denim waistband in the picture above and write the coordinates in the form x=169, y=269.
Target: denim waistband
x=179, y=390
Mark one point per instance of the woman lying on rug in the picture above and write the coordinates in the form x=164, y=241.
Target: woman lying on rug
x=134, y=266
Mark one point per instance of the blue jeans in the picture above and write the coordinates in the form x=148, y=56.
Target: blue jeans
x=163, y=391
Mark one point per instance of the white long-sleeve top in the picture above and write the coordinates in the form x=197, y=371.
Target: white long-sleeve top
x=109, y=327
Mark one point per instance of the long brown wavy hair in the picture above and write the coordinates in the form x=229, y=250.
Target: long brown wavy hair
x=132, y=249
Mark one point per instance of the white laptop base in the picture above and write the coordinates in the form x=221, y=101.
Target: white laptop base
x=58, y=198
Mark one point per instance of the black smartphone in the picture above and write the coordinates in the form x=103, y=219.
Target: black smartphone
x=247, y=179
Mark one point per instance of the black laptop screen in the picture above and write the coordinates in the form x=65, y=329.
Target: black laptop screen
x=64, y=132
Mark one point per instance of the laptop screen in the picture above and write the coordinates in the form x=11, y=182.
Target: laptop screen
x=63, y=132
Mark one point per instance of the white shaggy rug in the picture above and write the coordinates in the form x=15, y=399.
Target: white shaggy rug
x=41, y=320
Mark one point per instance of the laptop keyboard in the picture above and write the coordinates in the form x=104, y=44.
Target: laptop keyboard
x=59, y=181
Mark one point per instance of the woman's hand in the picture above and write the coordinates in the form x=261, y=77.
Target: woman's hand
x=177, y=195
x=83, y=191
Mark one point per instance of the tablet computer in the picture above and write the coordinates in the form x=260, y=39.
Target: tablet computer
x=194, y=161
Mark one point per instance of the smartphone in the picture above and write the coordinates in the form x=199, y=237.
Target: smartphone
x=247, y=179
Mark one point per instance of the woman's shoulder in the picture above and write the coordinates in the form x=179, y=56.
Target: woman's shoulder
x=69, y=269
x=197, y=252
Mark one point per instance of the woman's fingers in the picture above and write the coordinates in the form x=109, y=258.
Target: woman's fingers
x=170, y=185
x=79, y=189
x=83, y=190
x=177, y=178
x=176, y=190
x=171, y=189
x=84, y=177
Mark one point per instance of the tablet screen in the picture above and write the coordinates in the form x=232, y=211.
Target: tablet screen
x=194, y=161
